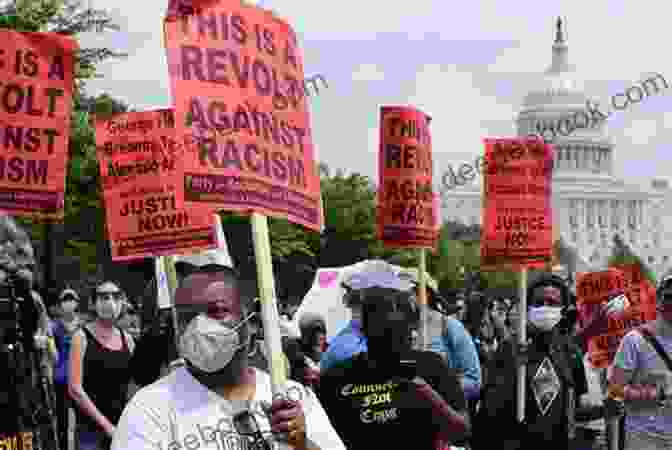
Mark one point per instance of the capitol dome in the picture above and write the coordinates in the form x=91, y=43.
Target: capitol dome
x=558, y=102
x=559, y=86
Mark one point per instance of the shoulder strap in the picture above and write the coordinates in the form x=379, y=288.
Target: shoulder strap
x=651, y=339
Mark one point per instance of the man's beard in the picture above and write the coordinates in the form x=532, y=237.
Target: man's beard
x=230, y=375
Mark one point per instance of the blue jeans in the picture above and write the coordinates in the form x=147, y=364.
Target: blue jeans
x=93, y=440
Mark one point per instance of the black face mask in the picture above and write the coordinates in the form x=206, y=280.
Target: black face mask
x=389, y=338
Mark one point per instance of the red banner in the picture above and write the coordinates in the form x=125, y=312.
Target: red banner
x=406, y=203
x=36, y=70
x=237, y=82
x=593, y=292
x=141, y=174
x=517, y=211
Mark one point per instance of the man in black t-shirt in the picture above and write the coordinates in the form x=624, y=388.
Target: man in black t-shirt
x=393, y=396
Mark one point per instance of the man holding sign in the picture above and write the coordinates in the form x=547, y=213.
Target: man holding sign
x=554, y=384
x=217, y=401
x=642, y=376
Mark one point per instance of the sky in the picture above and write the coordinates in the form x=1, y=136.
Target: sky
x=468, y=66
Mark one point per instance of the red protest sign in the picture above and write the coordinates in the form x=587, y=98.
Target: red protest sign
x=36, y=70
x=592, y=292
x=517, y=212
x=141, y=173
x=237, y=82
x=406, y=204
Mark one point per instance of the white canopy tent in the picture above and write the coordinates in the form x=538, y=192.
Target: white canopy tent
x=325, y=297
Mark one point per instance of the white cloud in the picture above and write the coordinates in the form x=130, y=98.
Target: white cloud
x=368, y=72
x=463, y=114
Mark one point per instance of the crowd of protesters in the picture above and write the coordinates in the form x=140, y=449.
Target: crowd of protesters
x=367, y=384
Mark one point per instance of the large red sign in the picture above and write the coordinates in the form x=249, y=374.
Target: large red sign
x=36, y=73
x=407, y=215
x=237, y=81
x=517, y=211
x=141, y=173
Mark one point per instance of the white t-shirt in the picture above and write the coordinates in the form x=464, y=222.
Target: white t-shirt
x=179, y=413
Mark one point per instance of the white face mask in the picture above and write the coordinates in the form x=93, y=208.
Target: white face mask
x=209, y=344
x=544, y=318
x=108, y=309
x=68, y=306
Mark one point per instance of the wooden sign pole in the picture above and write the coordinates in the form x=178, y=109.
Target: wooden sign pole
x=269, y=307
x=522, y=340
x=422, y=299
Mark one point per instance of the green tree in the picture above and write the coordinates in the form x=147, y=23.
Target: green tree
x=84, y=217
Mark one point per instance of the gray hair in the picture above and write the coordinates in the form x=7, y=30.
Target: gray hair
x=17, y=256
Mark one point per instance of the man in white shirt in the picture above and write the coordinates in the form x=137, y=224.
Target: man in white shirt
x=217, y=401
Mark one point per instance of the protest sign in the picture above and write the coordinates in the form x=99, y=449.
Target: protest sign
x=406, y=202
x=141, y=176
x=641, y=293
x=593, y=290
x=517, y=211
x=232, y=67
x=35, y=104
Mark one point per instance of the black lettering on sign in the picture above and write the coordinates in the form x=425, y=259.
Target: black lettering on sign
x=408, y=190
x=26, y=171
x=407, y=157
x=162, y=222
x=517, y=239
x=15, y=98
x=150, y=205
x=518, y=223
x=415, y=214
x=250, y=157
x=27, y=139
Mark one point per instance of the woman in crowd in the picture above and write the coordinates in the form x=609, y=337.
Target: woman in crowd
x=100, y=371
x=65, y=326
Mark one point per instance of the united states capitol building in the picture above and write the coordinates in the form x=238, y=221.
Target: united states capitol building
x=591, y=206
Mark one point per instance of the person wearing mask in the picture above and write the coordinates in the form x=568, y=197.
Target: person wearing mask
x=306, y=352
x=393, y=396
x=216, y=400
x=65, y=326
x=100, y=372
x=641, y=378
x=351, y=341
x=555, y=378
x=452, y=340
